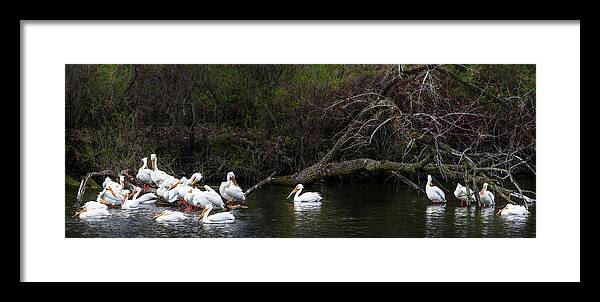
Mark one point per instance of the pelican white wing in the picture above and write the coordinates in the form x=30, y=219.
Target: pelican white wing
x=235, y=193
x=147, y=198
x=511, y=209
x=308, y=197
x=170, y=216
x=94, y=205
x=223, y=217
x=94, y=213
x=435, y=194
x=487, y=198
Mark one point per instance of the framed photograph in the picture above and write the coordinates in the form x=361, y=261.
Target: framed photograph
x=253, y=144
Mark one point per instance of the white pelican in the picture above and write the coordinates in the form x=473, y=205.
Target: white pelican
x=214, y=197
x=92, y=213
x=511, y=209
x=157, y=176
x=196, y=177
x=178, y=192
x=170, y=182
x=110, y=196
x=173, y=183
x=144, y=174
x=461, y=194
x=135, y=201
x=306, y=197
x=161, y=191
x=170, y=216
x=118, y=186
x=108, y=181
x=147, y=198
x=94, y=205
x=129, y=204
x=231, y=191
x=197, y=198
x=223, y=217
x=434, y=193
x=486, y=197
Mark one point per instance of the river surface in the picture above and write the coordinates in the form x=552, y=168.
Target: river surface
x=347, y=211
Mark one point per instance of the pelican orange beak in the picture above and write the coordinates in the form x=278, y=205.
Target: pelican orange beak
x=293, y=191
x=111, y=191
x=201, y=213
x=234, y=182
x=160, y=214
x=153, y=166
x=176, y=184
x=78, y=212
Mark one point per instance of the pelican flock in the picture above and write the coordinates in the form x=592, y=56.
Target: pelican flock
x=487, y=198
x=170, y=189
x=183, y=190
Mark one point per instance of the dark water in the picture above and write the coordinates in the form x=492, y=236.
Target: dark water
x=349, y=210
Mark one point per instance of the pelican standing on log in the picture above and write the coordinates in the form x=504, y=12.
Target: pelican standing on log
x=435, y=194
x=231, y=191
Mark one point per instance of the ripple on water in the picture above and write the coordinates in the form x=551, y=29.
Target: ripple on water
x=346, y=211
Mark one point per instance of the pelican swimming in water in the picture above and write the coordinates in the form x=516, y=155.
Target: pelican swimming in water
x=144, y=174
x=170, y=216
x=511, y=209
x=306, y=197
x=135, y=201
x=434, y=193
x=92, y=213
x=461, y=194
x=130, y=204
x=223, y=217
x=231, y=191
x=486, y=197
x=94, y=205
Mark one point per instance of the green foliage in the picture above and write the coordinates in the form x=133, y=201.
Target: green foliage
x=251, y=119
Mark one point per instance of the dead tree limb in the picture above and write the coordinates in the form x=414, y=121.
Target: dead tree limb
x=260, y=184
x=408, y=182
x=84, y=181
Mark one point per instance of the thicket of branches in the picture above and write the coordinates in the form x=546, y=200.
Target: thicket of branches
x=452, y=121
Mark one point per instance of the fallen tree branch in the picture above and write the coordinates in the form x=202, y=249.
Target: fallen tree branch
x=317, y=172
x=408, y=182
x=260, y=184
x=84, y=181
